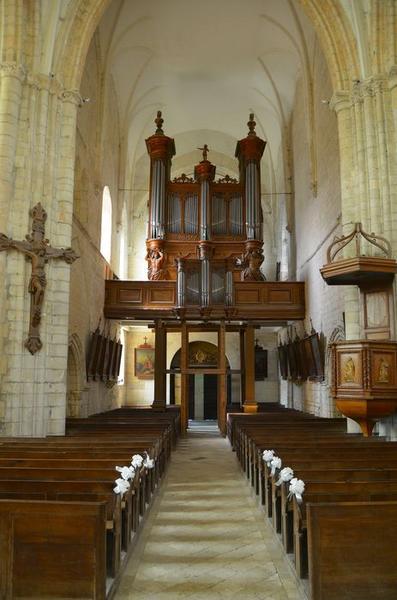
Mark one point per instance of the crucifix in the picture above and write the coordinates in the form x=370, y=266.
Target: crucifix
x=37, y=248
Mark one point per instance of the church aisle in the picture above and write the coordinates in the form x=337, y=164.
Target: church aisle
x=206, y=538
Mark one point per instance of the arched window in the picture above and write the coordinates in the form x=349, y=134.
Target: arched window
x=123, y=245
x=106, y=224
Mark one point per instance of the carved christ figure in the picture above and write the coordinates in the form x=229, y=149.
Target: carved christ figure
x=36, y=248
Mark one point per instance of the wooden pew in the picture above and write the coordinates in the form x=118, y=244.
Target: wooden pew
x=82, y=467
x=52, y=549
x=337, y=468
x=347, y=540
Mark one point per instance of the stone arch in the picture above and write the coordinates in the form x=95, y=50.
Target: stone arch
x=74, y=385
x=327, y=17
x=338, y=333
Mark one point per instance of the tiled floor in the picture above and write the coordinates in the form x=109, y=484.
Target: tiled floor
x=206, y=538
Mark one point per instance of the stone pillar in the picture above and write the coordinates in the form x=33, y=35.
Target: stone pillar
x=161, y=149
x=160, y=366
x=33, y=388
x=340, y=102
x=250, y=404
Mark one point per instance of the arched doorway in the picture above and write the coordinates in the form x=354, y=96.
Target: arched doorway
x=202, y=387
x=74, y=379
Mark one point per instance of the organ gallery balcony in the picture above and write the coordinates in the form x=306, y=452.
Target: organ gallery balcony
x=260, y=300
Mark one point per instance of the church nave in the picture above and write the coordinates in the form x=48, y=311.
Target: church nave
x=206, y=538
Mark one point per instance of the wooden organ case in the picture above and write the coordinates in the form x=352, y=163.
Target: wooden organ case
x=204, y=233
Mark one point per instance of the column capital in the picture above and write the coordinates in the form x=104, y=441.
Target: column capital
x=13, y=69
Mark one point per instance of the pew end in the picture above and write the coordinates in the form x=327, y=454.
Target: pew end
x=347, y=540
x=45, y=554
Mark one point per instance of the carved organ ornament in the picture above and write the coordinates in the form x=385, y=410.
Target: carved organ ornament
x=203, y=233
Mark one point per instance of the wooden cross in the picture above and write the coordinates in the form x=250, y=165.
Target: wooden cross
x=36, y=248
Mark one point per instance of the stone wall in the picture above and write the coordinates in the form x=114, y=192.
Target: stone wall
x=97, y=165
x=317, y=219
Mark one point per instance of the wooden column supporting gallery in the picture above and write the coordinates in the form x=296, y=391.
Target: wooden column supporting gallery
x=222, y=378
x=250, y=405
x=160, y=366
x=184, y=377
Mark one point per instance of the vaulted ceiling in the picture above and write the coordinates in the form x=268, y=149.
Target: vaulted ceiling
x=206, y=66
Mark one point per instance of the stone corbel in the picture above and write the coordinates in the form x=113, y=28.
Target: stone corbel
x=72, y=97
x=340, y=100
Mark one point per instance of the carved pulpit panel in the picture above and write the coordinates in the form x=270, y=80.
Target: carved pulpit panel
x=364, y=382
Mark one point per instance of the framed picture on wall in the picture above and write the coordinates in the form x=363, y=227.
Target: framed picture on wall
x=144, y=363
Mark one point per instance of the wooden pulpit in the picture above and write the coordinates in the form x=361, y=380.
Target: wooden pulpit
x=364, y=382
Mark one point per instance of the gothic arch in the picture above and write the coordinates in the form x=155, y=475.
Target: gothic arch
x=74, y=384
x=338, y=333
x=327, y=17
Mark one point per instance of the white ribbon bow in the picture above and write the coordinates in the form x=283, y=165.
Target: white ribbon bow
x=126, y=472
x=296, y=488
x=267, y=456
x=286, y=474
x=122, y=486
x=137, y=461
x=148, y=463
x=275, y=463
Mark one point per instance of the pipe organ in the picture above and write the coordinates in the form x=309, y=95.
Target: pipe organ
x=204, y=254
x=204, y=233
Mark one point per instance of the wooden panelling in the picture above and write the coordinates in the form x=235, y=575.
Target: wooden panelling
x=133, y=295
x=280, y=295
x=162, y=296
x=247, y=296
x=260, y=301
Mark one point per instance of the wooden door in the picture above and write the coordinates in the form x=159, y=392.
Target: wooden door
x=210, y=396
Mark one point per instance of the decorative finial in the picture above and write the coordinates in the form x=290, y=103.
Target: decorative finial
x=159, y=123
x=205, y=151
x=251, y=125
